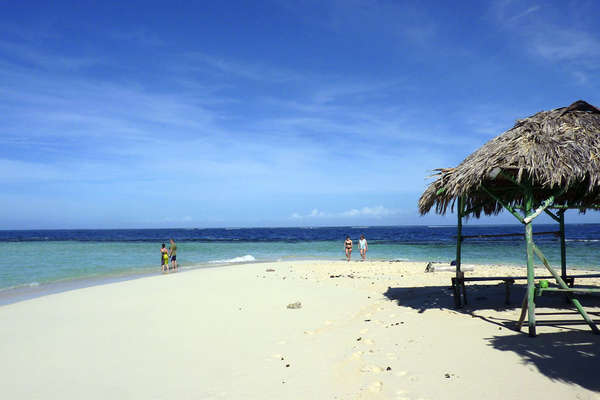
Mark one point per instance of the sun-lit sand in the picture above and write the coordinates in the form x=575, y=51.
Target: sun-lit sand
x=372, y=330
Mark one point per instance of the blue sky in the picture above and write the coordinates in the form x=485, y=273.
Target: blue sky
x=268, y=113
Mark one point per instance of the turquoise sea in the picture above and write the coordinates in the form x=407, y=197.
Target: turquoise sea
x=38, y=259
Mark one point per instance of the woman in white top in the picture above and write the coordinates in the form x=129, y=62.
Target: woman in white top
x=364, y=247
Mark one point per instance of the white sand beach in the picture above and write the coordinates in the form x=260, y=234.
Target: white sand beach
x=365, y=330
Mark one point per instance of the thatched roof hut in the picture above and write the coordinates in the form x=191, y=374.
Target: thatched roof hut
x=553, y=152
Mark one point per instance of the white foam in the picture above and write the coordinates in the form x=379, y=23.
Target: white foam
x=242, y=259
x=34, y=284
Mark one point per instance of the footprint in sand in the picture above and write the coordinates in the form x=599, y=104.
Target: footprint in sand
x=368, y=341
x=375, y=387
x=363, y=331
x=356, y=355
x=309, y=333
x=401, y=373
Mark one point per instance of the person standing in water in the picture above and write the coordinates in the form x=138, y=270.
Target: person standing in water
x=164, y=259
x=173, y=253
x=348, y=247
x=364, y=247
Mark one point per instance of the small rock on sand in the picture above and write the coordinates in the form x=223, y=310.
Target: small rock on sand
x=295, y=305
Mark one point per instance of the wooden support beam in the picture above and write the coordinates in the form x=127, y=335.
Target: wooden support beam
x=552, y=215
x=567, y=207
x=459, y=274
x=569, y=290
x=523, y=311
x=503, y=204
x=545, y=204
x=563, y=285
x=563, y=246
x=530, y=265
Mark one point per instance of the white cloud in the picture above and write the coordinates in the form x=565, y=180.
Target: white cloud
x=376, y=212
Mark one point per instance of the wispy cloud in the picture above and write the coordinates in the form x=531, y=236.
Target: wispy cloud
x=41, y=58
x=195, y=61
x=375, y=212
x=525, y=13
x=552, y=36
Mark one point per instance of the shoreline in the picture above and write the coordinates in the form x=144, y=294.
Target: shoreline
x=26, y=292
x=16, y=294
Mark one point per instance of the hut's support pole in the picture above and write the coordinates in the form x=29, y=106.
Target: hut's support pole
x=563, y=285
x=530, y=266
x=563, y=247
x=560, y=218
x=460, y=285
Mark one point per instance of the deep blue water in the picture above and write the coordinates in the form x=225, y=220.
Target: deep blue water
x=391, y=234
x=39, y=257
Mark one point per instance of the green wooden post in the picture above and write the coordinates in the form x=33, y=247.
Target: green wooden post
x=459, y=283
x=530, y=265
x=563, y=247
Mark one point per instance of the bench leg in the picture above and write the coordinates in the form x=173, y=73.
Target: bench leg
x=507, y=299
x=455, y=293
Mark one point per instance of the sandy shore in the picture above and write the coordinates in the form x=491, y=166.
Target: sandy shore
x=372, y=330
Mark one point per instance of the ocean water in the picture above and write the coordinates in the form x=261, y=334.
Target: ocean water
x=37, y=258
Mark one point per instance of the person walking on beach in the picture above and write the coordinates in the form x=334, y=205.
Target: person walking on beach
x=364, y=247
x=164, y=259
x=348, y=247
x=173, y=253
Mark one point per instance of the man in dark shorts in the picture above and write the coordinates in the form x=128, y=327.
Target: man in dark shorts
x=173, y=252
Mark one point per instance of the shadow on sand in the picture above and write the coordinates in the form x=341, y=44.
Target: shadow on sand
x=571, y=355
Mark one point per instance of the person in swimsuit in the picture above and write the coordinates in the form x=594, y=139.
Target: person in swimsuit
x=364, y=247
x=164, y=259
x=173, y=253
x=348, y=247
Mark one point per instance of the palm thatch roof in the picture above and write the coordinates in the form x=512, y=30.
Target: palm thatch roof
x=553, y=152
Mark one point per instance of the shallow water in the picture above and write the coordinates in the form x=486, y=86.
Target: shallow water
x=33, y=258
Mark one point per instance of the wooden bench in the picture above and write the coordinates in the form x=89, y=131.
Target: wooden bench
x=508, y=281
